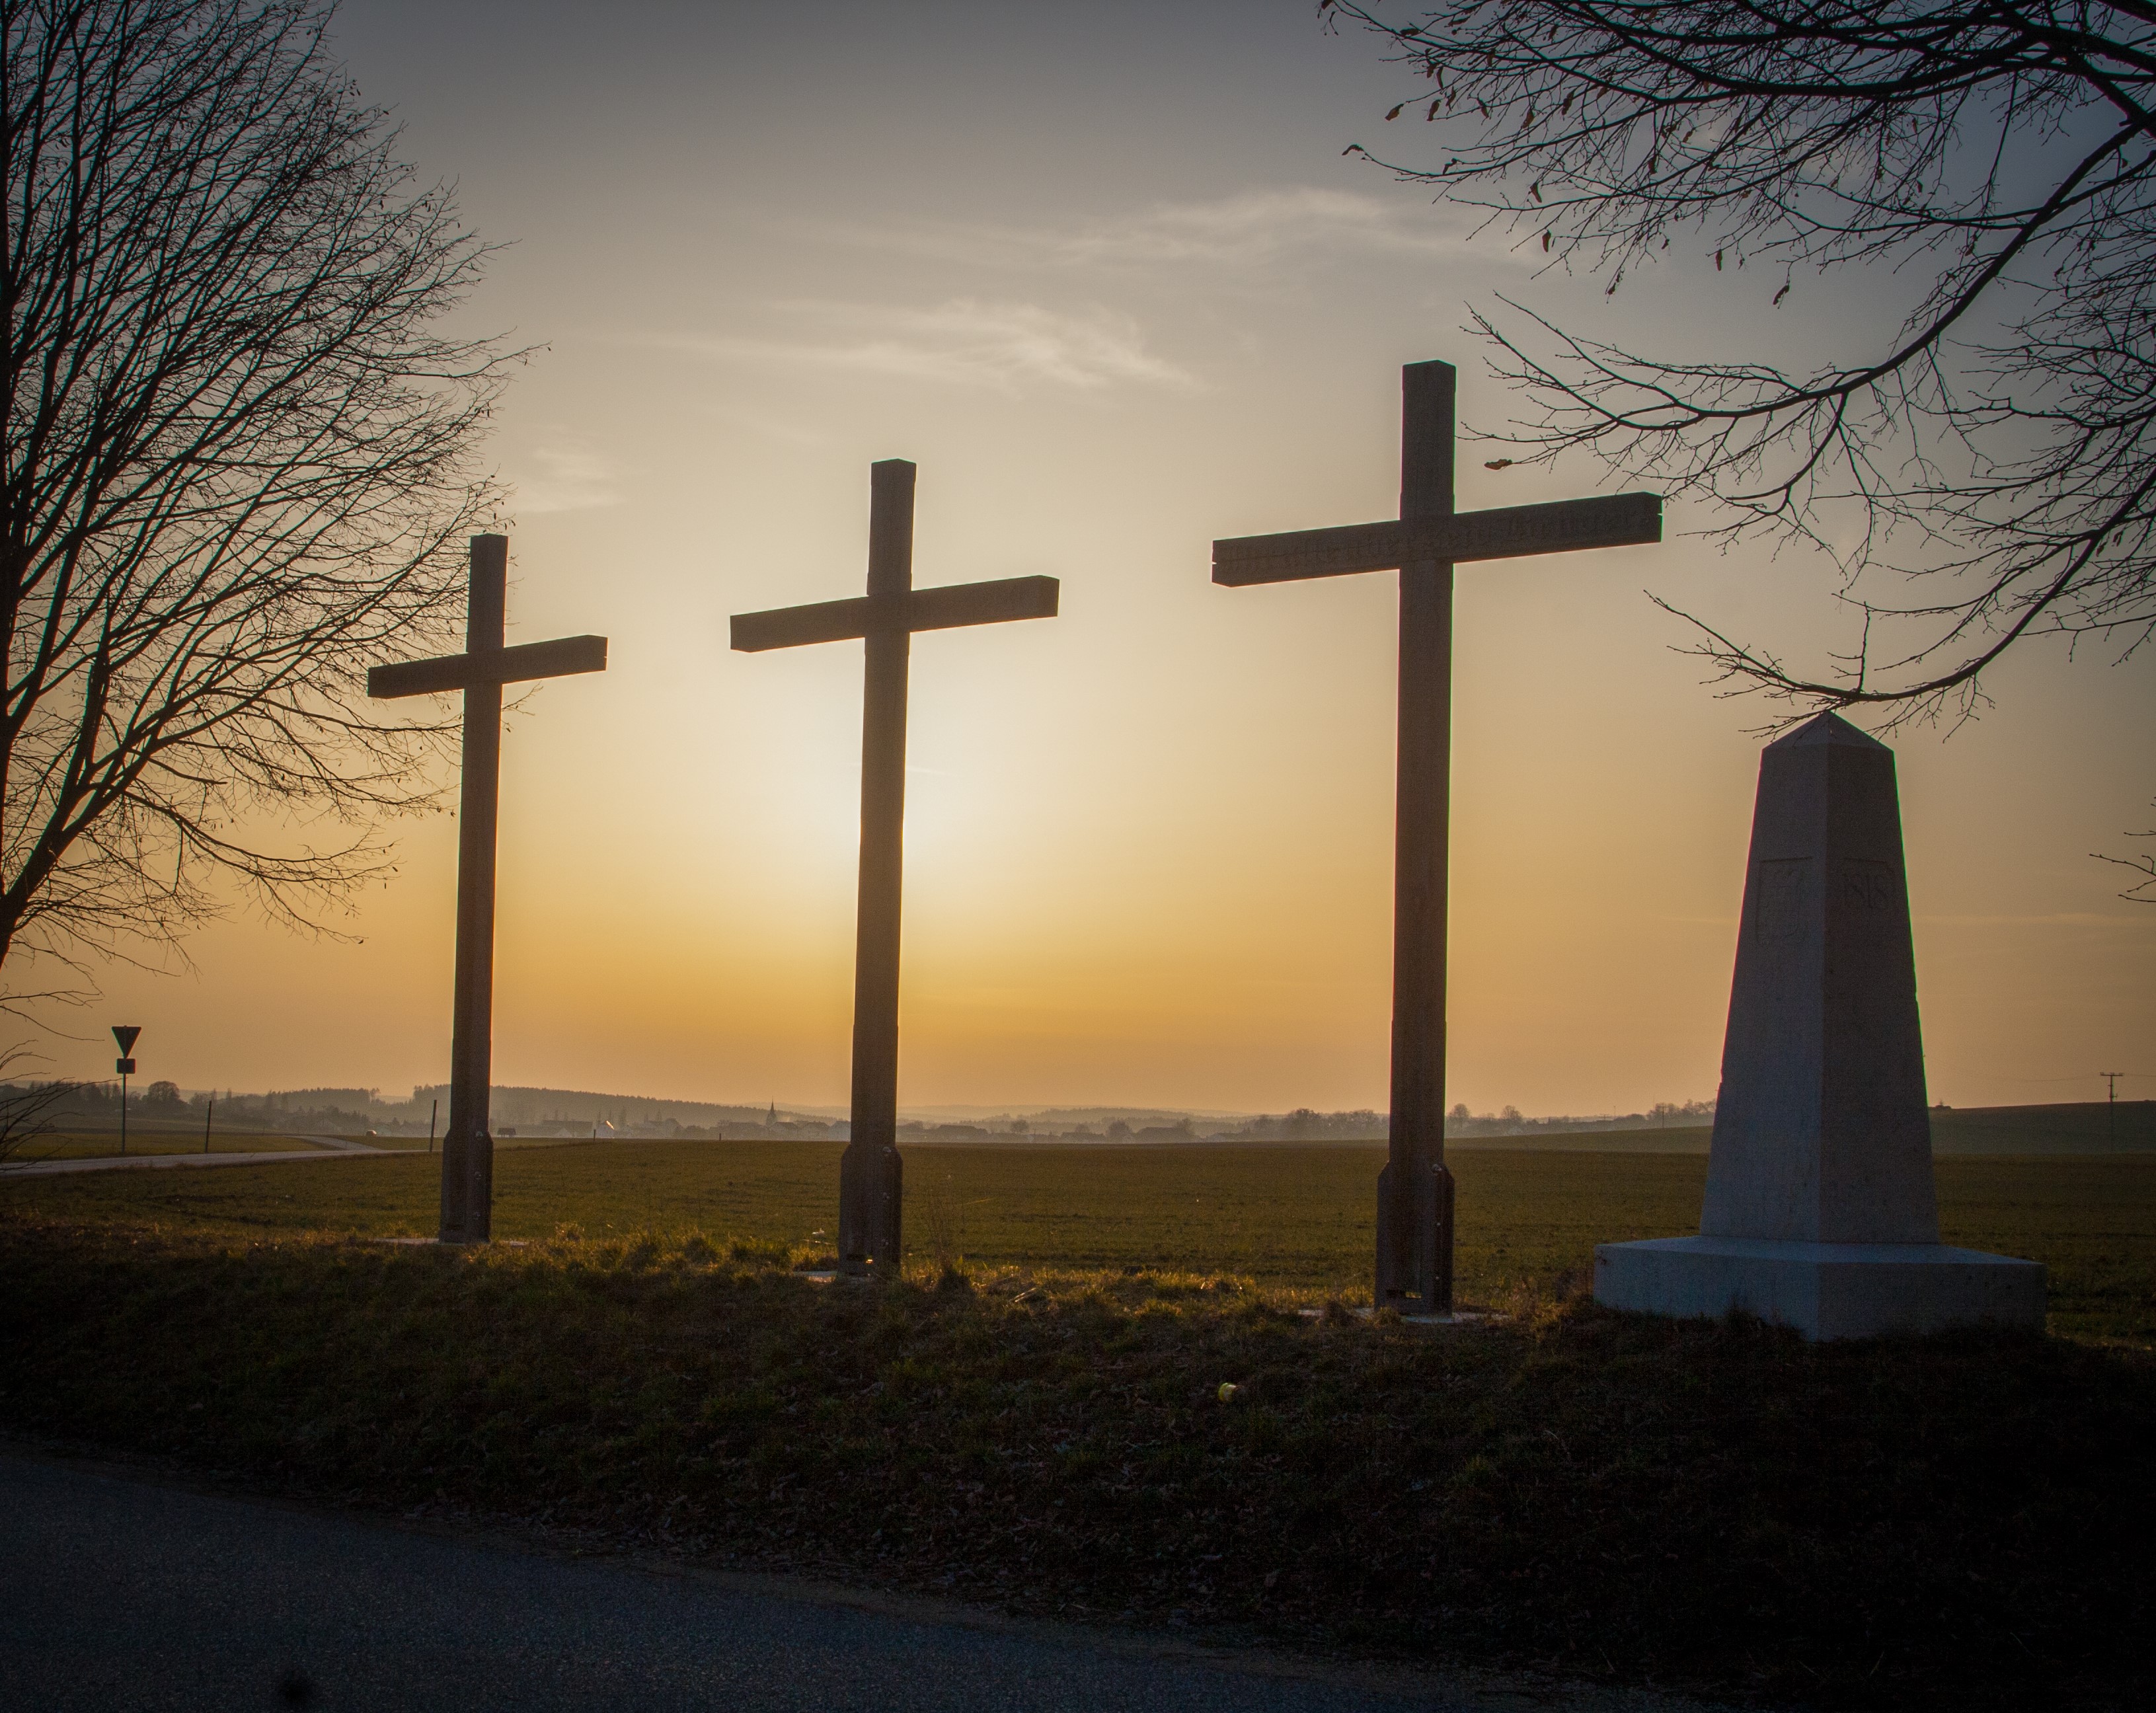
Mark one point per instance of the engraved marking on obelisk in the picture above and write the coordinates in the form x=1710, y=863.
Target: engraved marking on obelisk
x=1778, y=910
x=1867, y=884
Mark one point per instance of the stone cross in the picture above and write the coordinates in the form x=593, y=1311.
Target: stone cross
x=1819, y=1210
x=1414, y=1191
x=870, y=1184
x=479, y=672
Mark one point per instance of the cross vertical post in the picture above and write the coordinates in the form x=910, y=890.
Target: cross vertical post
x=1424, y=544
x=479, y=672
x=871, y=1176
x=468, y=1144
x=871, y=1172
x=1415, y=1189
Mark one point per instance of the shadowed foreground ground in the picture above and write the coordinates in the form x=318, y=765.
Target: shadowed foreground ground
x=1960, y=1522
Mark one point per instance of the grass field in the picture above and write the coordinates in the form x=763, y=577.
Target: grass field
x=1297, y=1217
x=1960, y=1522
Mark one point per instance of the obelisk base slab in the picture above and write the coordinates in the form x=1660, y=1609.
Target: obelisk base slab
x=1826, y=1291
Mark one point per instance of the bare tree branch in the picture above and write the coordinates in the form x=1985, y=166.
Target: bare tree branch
x=28, y=1109
x=1994, y=463
x=240, y=466
x=2143, y=890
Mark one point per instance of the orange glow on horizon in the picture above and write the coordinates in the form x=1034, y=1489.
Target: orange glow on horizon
x=1148, y=843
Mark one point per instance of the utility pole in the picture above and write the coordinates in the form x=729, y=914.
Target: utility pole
x=434, y=1112
x=207, y=1117
x=2110, y=1127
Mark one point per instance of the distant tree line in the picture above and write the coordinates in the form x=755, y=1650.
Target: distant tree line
x=1305, y=1125
x=356, y=1111
x=1508, y=1122
x=1363, y=1124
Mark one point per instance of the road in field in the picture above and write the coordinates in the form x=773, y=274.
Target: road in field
x=325, y=1148
x=126, y=1596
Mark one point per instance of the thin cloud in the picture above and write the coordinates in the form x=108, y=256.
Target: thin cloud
x=566, y=478
x=764, y=427
x=1250, y=228
x=2062, y=919
x=964, y=342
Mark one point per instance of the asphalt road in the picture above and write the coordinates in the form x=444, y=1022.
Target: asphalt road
x=326, y=1148
x=120, y=1593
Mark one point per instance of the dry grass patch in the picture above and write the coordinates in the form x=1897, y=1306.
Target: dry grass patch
x=1294, y=1217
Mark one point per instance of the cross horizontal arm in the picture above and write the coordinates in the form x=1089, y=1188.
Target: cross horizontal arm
x=946, y=608
x=558, y=659
x=1504, y=532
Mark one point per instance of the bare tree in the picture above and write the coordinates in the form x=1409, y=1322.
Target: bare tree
x=29, y=1110
x=1988, y=471
x=2142, y=890
x=238, y=466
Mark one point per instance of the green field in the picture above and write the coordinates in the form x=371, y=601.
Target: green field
x=1958, y=1523
x=1295, y=1218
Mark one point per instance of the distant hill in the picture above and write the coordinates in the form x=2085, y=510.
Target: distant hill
x=353, y=1112
x=2083, y=1127
x=2077, y=1128
x=1065, y=1118
x=516, y=1105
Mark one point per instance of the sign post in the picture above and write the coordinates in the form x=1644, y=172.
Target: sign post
x=125, y=1035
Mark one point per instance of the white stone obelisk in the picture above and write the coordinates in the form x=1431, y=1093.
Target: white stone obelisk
x=1820, y=1211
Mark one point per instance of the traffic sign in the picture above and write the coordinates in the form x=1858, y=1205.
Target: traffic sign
x=125, y=1035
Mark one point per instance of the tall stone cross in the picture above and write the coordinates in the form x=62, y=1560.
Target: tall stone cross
x=871, y=1180
x=1414, y=1191
x=479, y=672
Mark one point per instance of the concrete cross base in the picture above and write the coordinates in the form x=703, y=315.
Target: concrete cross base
x=1824, y=1290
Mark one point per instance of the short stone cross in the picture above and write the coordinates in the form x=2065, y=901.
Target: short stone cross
x=870, y=1182
x=1414, y=1191
x=479, y=672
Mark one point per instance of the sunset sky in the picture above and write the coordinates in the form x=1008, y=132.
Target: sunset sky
x=1104, y=273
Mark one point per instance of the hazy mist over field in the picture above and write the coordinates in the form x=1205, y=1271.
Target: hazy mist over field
x=1105, y=274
